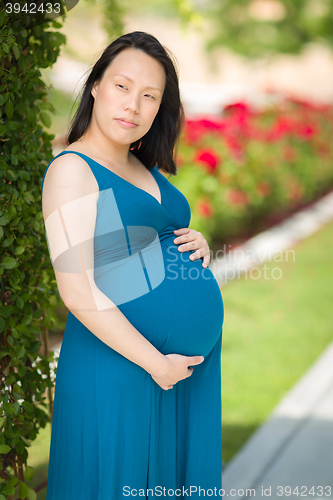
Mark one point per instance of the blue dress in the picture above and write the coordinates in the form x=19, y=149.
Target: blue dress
x=116, y=433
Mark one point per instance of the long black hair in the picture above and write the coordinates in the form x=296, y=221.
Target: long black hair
x=157, y=146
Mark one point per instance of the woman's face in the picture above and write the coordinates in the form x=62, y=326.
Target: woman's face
x=131, y=88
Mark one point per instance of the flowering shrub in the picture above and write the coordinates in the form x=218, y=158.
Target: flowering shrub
x=241, y=170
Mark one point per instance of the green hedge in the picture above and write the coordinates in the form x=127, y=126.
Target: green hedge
x=29, y=293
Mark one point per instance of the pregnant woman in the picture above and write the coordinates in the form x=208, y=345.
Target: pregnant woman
x=137, y=409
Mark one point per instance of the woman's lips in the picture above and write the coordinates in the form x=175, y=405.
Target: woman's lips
x=126, y=124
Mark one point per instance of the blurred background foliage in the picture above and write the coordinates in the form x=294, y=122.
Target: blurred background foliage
x=249, y=27
x=257, y=27
x=114, y=12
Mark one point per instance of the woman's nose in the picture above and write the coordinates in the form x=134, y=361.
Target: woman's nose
x=132, y=103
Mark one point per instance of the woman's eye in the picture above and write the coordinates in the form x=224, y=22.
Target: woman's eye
x=123, y=86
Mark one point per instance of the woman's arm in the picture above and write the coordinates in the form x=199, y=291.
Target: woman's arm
x=70, y=195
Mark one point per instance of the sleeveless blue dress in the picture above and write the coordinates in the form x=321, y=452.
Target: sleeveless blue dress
x=115, y=432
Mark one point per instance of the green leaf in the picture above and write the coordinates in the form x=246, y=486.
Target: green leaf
x=15, y=333
x=45, y=105
x=6, y=311
x=16, y=51
x=21, y=352
x=19, y=302
x=17, y=84
x=31, y=115
x=10, y=380
x=11, y=174
x=2, y=421
x=19, y=250
x=14, y=160
x=9, y=433
x=22, y=370
x=23, y=491
x=8, y=262
x=13, y=481
x=28, y=473
x=55, y=24
x=3, y=220
x=46, y=119
x=35, y=346
x=28, y=406
x=26, y=441
x=7, y=242
x=8, y=490
x=32, y=494
x=9, y=108
x=4, y=448
x=17, y=407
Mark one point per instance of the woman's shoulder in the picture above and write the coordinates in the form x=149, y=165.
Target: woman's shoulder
x=63, y=160
x=67, y=177
x=68, y=167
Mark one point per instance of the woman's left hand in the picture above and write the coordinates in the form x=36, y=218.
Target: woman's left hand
x=194, y=241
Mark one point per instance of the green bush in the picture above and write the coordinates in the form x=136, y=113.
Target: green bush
x=29, y=293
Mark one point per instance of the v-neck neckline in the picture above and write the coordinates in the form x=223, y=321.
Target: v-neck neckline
x=119, y=177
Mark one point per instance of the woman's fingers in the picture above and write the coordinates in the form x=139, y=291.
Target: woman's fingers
x=206, y=260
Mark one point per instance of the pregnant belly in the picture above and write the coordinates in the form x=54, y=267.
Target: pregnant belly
x=184, y=314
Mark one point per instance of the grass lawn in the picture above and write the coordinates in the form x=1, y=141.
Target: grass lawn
x=274, y=330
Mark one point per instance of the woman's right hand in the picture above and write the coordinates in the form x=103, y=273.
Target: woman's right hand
x=176, y=367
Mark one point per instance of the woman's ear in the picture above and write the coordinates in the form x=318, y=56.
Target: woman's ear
x=94, y=89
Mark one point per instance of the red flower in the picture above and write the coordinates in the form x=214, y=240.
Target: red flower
x=211, y=125
x=195, y=129
x=205, y=208
x=264, y=188
x=237, y=107
x=281, y=127
x=237, y=197
x=306, y=131
x=209, y=158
